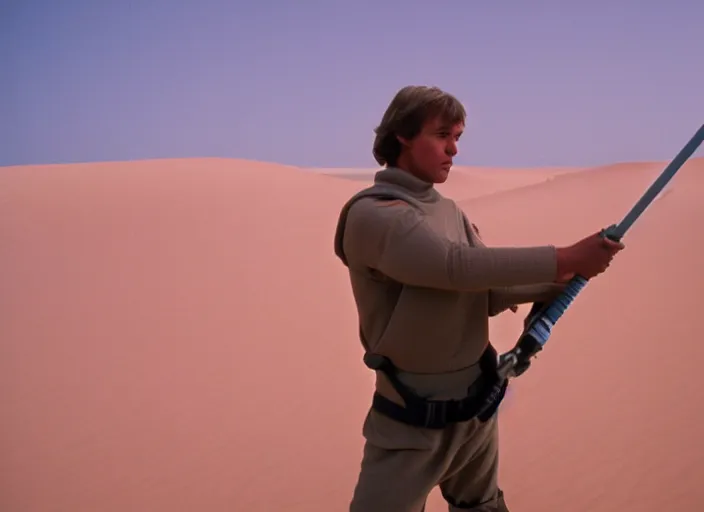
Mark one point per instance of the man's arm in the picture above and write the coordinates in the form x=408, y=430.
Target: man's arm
x=393, y=238
x=501, y=299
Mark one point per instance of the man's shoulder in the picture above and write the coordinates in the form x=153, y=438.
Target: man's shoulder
x=368, y=222
x=453, y=204
x=373, y=208
x=381, y=203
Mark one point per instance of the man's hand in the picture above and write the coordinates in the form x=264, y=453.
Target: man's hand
x=565, y=278
x=589, y=257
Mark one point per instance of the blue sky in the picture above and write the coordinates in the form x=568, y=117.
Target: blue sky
x=305, y=83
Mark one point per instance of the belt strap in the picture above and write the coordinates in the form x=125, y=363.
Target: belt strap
x=483, y=396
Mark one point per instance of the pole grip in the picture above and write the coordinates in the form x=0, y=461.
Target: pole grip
x=540, y=327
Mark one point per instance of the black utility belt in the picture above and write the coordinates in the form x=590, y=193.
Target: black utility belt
x=483, y=397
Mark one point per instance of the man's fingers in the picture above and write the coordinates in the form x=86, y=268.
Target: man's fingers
x=613, y=246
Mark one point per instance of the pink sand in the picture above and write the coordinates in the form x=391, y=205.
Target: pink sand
x=159, y=352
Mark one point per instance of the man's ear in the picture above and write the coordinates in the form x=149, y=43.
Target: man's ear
x=403, y=141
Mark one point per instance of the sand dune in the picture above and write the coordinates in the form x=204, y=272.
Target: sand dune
x=177, y=335
x=170, y=331
x=465, y=182
x=470, y=182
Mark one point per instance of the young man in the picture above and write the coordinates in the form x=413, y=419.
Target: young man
x=425, y=286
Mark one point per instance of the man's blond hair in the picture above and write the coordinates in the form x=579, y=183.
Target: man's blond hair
x=412, y=106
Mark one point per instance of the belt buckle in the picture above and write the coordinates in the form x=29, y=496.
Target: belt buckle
x=433, y=407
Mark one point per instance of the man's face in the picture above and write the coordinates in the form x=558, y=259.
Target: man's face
x=429, y=154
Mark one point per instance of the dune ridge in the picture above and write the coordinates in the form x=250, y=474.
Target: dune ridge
x=178, y=335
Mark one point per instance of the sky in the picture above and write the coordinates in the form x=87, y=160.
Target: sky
x=304, y=83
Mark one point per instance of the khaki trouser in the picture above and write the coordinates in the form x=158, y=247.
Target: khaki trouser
x=402, y=464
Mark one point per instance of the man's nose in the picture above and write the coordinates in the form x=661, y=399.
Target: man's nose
x=451, y=148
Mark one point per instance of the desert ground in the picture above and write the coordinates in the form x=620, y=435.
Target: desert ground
x=178, y=335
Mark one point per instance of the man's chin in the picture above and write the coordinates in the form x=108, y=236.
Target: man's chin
x=441, y=176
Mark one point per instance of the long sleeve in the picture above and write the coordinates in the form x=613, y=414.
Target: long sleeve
x=501, y=299
x=394, y=238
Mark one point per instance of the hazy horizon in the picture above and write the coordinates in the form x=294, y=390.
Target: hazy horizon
x=544, y=84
